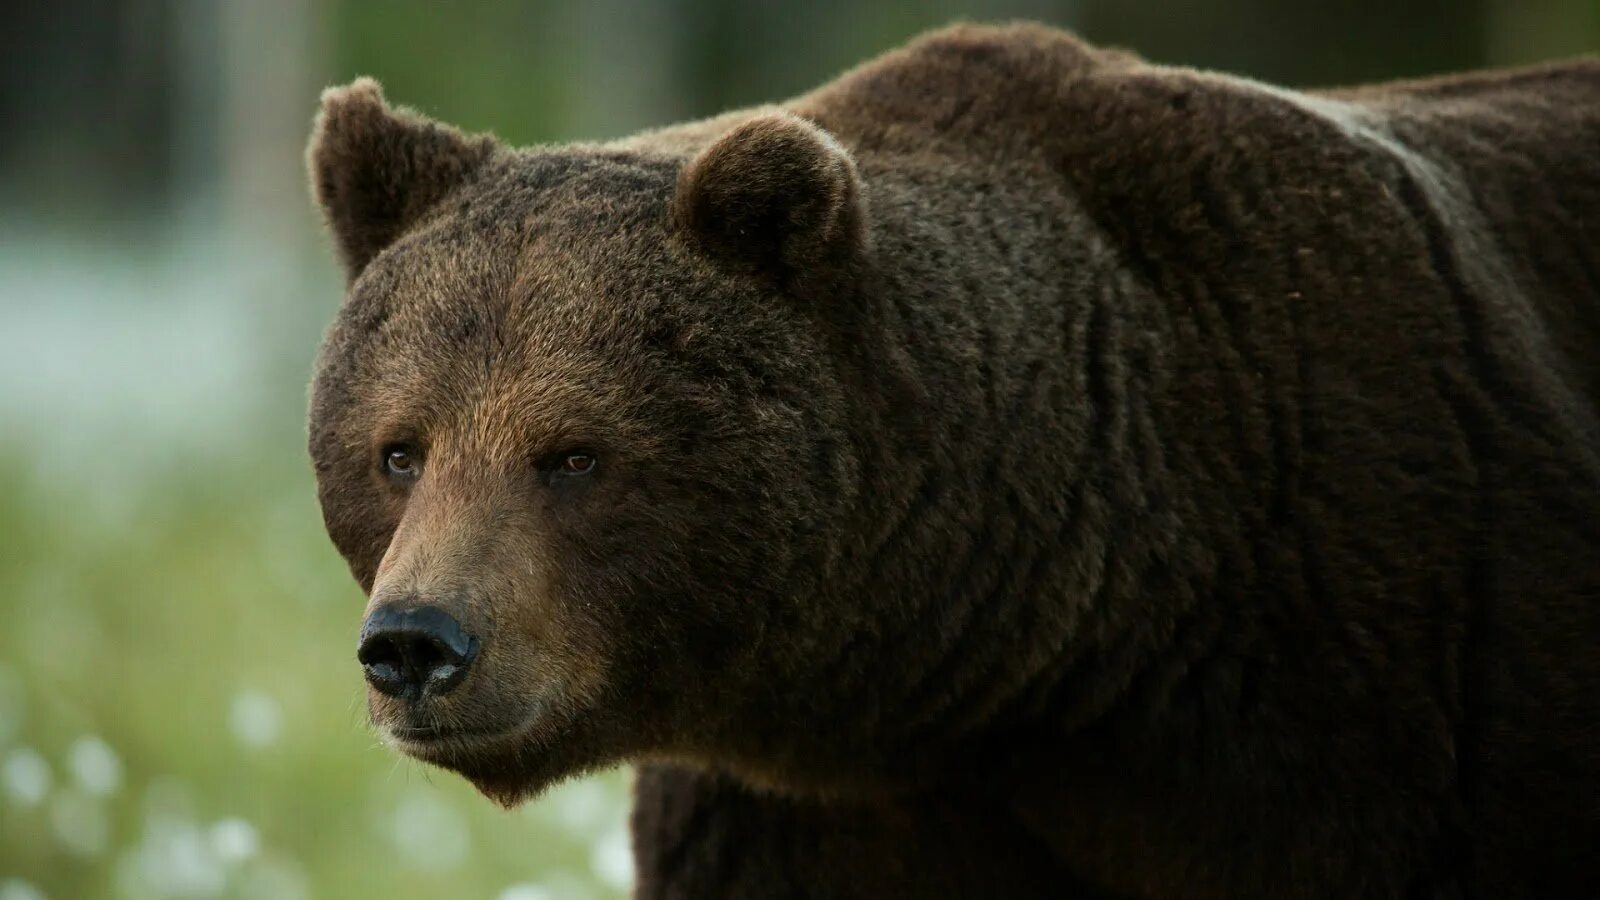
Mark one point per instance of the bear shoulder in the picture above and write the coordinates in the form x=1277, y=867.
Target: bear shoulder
x=964, y=85
x=957, y=89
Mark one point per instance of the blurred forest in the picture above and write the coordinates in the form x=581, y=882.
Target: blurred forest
x=180, y=711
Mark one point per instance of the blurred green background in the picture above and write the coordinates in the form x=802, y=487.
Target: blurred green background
x=180, y=711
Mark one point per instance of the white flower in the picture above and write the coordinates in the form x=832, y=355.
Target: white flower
x=255, y=718
x=271, y=879
x=95, y=766
x=17, y=889
x=177, y=861
x=428, y=832
x=26, y=776
x=612, y=859
x=582, y=807
x=80, y=823
x=234, y=840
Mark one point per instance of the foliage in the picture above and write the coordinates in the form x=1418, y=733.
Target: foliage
x=181, y=714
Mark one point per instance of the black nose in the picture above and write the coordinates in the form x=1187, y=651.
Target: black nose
x=409, y=653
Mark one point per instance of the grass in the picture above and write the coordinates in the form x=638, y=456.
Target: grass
x=181, y=714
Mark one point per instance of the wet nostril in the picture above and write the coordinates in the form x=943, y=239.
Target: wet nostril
x=409, y=653
x=426, y=654
x=379, y=649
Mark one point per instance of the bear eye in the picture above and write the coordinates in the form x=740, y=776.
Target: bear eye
x=401, y=461
x=577, y=464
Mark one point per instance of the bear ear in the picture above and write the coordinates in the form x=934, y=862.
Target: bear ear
x=375, y=170
x=777, y=194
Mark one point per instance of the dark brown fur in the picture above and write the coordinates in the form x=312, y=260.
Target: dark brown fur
x=1024, y=471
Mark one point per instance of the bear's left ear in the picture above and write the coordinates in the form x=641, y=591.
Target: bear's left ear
x=375, y=170
x=776, y=194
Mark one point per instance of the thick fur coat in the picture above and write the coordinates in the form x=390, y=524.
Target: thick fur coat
x=1023, y=471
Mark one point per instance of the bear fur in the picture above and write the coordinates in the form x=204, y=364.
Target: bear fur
x=1023, y=471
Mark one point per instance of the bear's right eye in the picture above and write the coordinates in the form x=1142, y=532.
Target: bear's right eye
x=400, y=461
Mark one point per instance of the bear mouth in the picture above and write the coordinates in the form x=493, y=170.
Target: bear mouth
x=451, y=746
x=429, y=734
x=407, y=737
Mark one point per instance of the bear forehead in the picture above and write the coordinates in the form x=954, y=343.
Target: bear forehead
x=577, y=193
x=563, y=251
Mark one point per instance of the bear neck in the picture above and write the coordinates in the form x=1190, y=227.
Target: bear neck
x=1036, y=524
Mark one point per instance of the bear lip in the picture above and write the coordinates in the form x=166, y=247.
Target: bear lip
x=423, y=734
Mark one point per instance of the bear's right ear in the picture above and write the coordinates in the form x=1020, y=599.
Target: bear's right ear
x=375, y=170
x=775, y=195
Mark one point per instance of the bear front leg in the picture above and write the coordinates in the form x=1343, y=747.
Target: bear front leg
x=699, y=836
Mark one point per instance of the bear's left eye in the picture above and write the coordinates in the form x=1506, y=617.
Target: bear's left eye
x=566, y=466
x=401, y=461
x=577, y=464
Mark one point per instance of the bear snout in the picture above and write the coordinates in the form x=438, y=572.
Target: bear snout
x=414, y=652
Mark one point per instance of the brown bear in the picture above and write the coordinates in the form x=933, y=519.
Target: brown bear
x=1012, y=469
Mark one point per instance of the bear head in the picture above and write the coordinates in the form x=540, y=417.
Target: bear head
x=588, y=422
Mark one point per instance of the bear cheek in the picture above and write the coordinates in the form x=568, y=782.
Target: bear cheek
x=547, y=644
x=564, y=648
x=359, y=524
x=360, y=519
